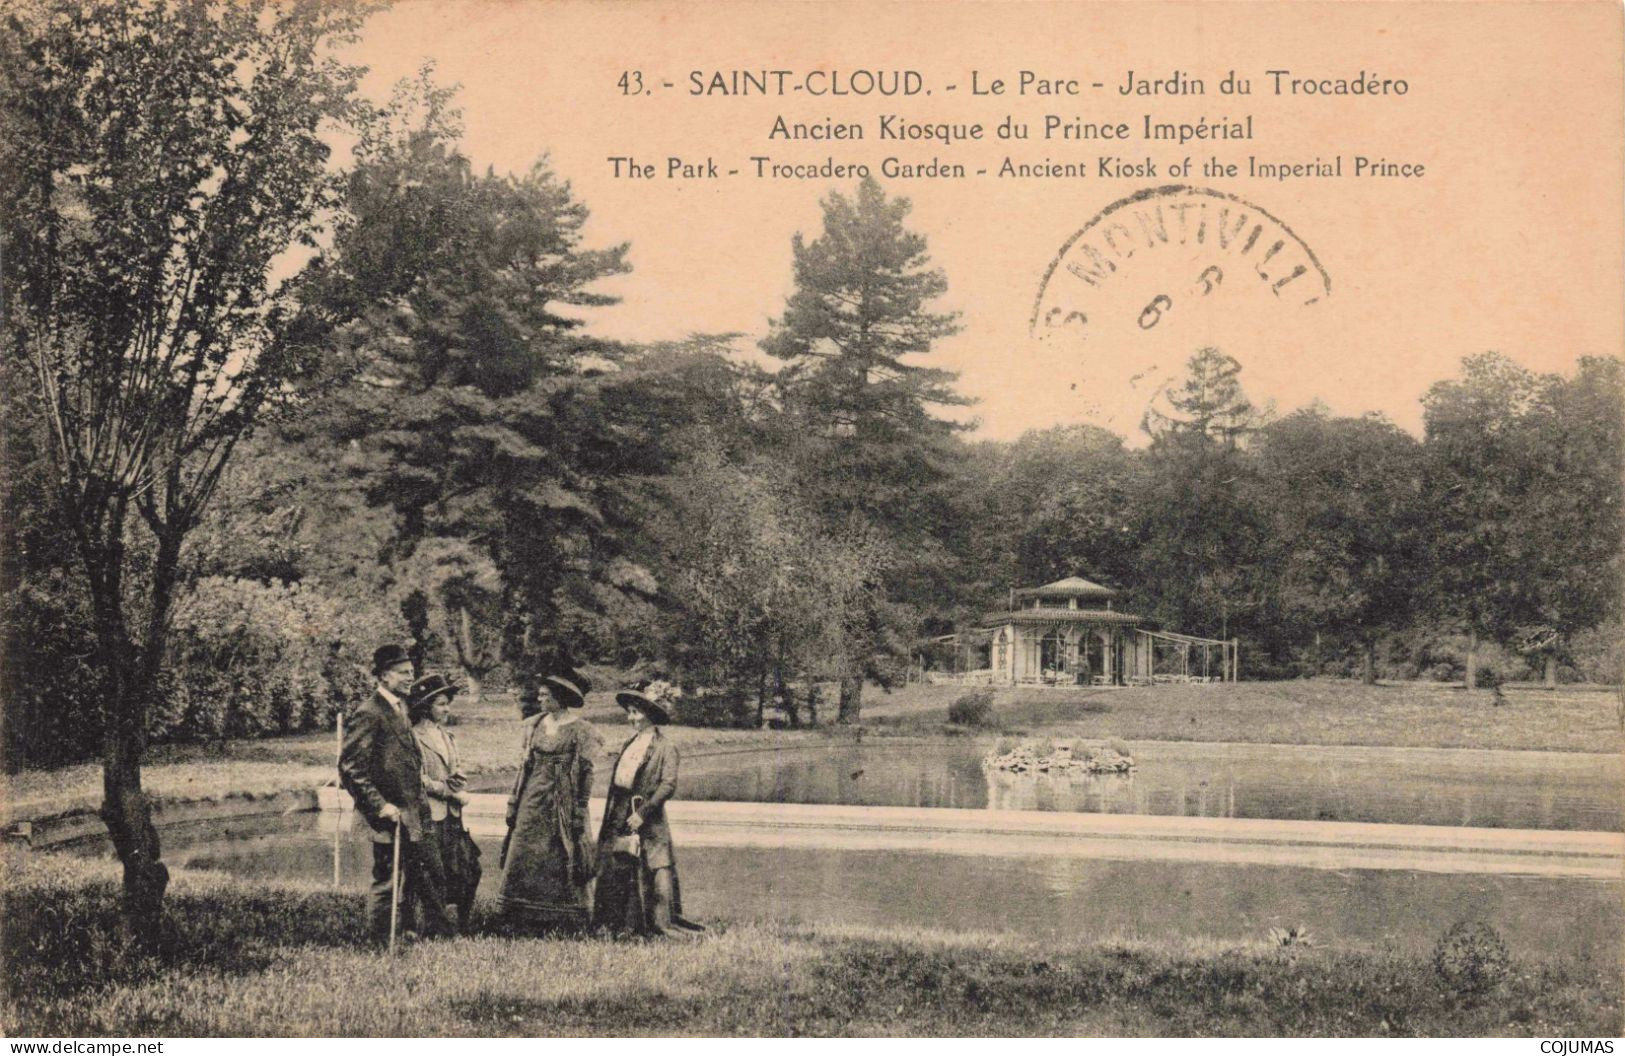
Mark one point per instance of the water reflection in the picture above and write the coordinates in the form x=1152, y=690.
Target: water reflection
x=1535, y=790
x=1089, y=793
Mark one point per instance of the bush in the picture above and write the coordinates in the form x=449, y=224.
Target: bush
x=972, y=709
x=248, y=658
x=50, y=681
x=1436, y=655
x=1471, y=958
x=717, y=708
x=1598, y=655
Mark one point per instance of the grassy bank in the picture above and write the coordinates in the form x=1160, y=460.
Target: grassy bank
x=1298, y=712
x=253, y=959
x=1413, y=715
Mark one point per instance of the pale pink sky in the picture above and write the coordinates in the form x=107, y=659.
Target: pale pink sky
x=1512, y=241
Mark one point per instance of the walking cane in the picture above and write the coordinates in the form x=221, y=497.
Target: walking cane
x=395, y=887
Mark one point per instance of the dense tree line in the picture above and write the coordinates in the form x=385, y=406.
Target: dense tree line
x=221, y=489
x=466, y=468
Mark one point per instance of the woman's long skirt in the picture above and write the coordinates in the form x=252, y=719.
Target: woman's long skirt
x=624, y=898
x=548, y=868
x=460, y=861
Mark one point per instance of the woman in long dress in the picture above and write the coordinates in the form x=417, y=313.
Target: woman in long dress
x=547, y=859
x=638, y=890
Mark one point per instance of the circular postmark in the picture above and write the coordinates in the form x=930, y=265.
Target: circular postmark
x=1158, y=274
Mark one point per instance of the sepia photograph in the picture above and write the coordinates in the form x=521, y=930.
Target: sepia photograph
x=846, y=518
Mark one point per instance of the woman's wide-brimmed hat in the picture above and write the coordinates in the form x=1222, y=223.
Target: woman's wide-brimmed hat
x=425, y=690
x=388, y=656
x=654, y=699
x=568, y=688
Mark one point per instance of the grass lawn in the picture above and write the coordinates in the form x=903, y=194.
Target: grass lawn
x=253, y=959
x=1417, y=715
x=1297, y=712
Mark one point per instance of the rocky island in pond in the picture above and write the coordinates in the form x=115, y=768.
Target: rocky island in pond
x=1059, y=758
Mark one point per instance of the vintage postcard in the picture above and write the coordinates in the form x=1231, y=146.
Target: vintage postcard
x=818, y=519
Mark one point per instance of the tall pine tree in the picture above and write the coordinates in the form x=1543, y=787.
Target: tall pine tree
x=859, y=407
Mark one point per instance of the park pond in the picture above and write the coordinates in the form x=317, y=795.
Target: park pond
x=1063, y=897
x=1405, y=786
x=1057, y=899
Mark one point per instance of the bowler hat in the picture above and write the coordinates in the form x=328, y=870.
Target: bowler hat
x=388, y=656
x=651, y=698
x=425, y=690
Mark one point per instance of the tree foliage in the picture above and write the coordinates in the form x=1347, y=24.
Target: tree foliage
x=1346, y=548
x=1208, y=407
x=868, y=446
x=503, y=439
x=1478, y=478
x=763, y=600
x=161, y=158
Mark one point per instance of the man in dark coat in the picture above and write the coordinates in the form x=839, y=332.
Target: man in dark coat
x=381, y=766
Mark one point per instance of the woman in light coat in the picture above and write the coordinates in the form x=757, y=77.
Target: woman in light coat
x=443, y=782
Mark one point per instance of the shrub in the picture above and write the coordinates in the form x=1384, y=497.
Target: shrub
x=1437, y=655
x=1293, y=935
x=1471, y=958
x=1599, y=654
x=249, y=658
x=50, y=681
x=718, y=707
x=972, y=709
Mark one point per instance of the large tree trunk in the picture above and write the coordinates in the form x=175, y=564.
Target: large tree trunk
x=1472, y=659
x=470, y=659
x=851, y=705
x=787, y=699
x=127, y=812
x=1551, y=671
x=1368, y=663
x=126, y=808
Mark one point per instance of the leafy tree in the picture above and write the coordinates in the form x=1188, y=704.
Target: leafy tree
x=49, y=680
x=281, y=520
x=1079, y=486
x=869, y=447
x=1572, y=517
x=1345, y=528
x=761, y=595
x=1202, y=529
x=504, y=439
x=161, y=157
x=1478, y=472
